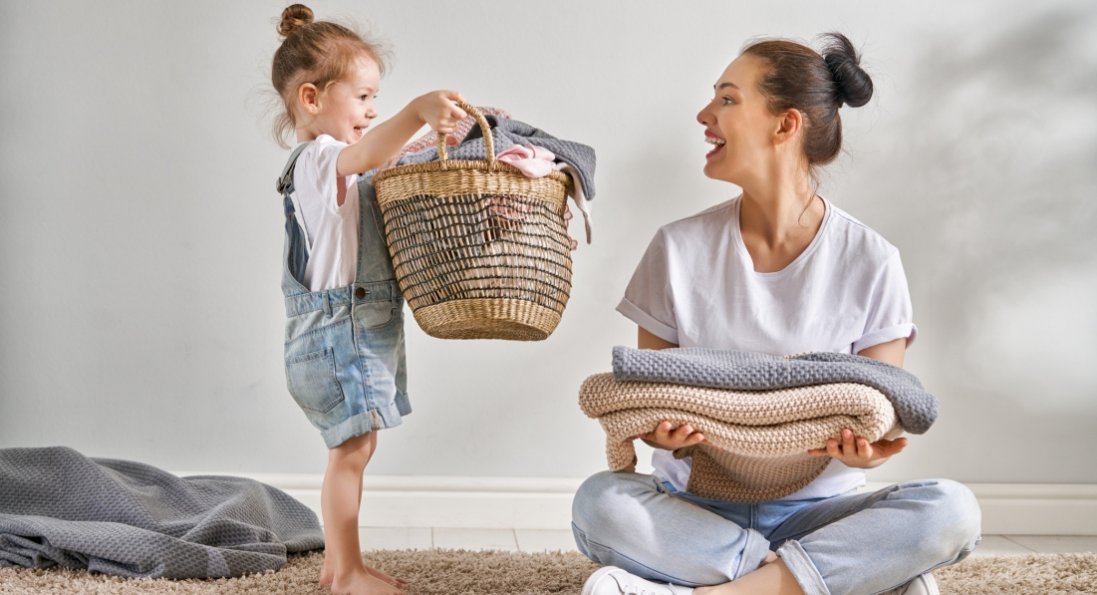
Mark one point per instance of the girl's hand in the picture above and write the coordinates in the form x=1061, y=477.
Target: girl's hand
x=859, y=453
x=668, y=437
x=439, y=110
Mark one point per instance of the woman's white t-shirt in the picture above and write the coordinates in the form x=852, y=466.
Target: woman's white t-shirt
x=696, y=286
x=331, y=228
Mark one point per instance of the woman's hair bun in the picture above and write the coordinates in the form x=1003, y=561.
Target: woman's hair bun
x=294, y=17
x=853, y=83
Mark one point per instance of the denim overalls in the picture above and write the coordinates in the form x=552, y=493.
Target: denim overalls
x=344, y=347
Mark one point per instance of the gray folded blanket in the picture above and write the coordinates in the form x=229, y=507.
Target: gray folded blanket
x=58, y=507
x=741, y=370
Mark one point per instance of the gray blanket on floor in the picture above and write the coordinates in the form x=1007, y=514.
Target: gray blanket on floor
x=742, y=370
x=58, y=507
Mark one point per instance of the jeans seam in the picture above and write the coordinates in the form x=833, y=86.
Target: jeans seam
x=954, y=560
x=797, y=536
x=320, y=329
x=674, y=579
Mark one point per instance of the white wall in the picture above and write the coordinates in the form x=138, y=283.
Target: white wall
x=140, y=233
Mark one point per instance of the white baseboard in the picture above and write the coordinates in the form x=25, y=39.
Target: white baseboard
x=545, y=503
x=461, y=502
x=1037, y=508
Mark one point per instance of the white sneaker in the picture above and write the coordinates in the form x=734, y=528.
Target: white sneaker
x=923, y=584
x=611, y=580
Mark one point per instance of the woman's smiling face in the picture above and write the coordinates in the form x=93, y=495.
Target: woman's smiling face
x=738, y=123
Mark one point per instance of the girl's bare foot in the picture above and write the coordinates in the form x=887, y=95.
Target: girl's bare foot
x=327, y=575
x=399, y=583
x=360, y=582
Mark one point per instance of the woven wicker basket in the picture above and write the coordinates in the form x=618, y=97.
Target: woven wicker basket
x=480, y=251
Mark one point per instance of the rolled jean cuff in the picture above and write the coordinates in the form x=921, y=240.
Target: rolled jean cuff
x=755, y=550
x=802, y=568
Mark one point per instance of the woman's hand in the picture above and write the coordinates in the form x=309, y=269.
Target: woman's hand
x=858, y=452
x=668, y=437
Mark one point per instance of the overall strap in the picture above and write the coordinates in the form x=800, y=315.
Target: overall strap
x=285, y=181
x=298, y=248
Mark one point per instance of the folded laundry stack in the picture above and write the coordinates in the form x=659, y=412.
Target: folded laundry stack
x=759, y=413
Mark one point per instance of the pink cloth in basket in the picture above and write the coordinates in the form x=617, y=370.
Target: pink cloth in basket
x=531, y=160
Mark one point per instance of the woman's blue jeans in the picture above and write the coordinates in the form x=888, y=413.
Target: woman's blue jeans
x=857, y=544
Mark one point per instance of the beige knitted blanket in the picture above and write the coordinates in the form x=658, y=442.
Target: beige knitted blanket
x=756, y=442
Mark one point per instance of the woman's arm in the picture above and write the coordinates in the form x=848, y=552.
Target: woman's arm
x=891, y=352
x=646, y=340
x=666, y=435
x=855, y=451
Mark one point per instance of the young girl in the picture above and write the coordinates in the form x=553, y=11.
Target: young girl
x=344, y=330
x=781, y=270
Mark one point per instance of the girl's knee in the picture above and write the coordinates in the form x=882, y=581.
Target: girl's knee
x=355, y=452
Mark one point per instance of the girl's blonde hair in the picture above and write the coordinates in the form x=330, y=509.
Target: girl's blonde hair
x=317, y=52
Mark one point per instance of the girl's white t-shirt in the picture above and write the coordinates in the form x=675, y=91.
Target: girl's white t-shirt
x=331, y=228
x=696, y=286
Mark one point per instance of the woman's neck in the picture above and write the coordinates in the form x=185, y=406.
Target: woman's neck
x=781, y=211
x=778, y=220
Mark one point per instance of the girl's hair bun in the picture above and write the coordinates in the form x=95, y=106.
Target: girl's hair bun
x=294, y=17
x=853, y=83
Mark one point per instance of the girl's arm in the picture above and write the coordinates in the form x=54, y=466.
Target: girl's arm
x=385, y=140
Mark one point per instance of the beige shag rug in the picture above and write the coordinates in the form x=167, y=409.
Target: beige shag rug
x=460, y=572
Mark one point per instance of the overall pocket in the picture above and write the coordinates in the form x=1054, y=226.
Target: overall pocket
x=374, y=315
x=312, y=381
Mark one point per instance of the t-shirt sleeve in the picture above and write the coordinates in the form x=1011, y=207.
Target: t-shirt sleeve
x=320, y=174
x=890, y=313
x=648, y=299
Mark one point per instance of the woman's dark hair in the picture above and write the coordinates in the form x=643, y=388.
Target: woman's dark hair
x=797, y=77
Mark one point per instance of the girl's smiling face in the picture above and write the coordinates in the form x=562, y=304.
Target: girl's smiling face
x=344, y=109
x=738, y=123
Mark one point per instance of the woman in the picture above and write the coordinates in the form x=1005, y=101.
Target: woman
x=780, y=270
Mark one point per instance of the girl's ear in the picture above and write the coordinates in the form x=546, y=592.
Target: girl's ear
x=788, y=125
x=308, y=96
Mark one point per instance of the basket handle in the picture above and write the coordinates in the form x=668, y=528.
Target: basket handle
x=485, y=128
